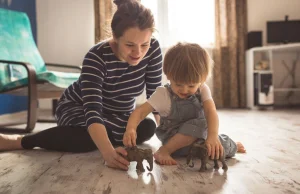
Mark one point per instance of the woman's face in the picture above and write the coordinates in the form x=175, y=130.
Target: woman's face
x=133, y=45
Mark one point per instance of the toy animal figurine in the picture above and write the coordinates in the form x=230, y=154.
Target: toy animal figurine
x=138, y=154
x=200, y=150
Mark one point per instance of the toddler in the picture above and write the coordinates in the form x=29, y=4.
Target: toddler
x=186, y=108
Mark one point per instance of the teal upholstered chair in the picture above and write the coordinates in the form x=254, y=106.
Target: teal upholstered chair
x=22, y=69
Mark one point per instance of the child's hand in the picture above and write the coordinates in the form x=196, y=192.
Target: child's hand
x=129, y=138
x=214, y=147
x=113, y=158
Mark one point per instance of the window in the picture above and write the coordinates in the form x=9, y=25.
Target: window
x=188, y=20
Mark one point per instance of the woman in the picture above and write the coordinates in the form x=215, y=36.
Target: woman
x=93, y=112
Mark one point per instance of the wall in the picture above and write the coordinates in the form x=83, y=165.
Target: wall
x=27, y=6
x=259, y=12
x=65, y=31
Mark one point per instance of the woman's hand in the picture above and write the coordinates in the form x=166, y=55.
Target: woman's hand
x=129, y=138
x=214, y=147
x=113, y=158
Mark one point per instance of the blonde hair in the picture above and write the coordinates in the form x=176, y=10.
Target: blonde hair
x=187, y=63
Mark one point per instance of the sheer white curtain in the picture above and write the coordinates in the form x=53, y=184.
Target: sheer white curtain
x=188, y=20
x=182, y=20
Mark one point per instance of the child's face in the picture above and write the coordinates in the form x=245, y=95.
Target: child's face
x=184, y=90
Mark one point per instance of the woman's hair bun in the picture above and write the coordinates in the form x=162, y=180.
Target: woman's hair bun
x=121, y=2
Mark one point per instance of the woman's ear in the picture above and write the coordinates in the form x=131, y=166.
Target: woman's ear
x=168, y=77
x=115, y=39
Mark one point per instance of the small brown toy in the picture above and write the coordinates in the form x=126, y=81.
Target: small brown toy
x=138, y=154
x=200, y=150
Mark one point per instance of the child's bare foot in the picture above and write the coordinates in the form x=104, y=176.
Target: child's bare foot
x=10, y=142
x=240, y=147
x=162, y=156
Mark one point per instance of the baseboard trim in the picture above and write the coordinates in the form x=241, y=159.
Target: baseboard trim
x=13, y=118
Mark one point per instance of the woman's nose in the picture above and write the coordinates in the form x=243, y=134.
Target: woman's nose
x=137, y=51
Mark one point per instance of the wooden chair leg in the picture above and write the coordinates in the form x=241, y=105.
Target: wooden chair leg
x=31, y=118
x=31, y=115
x=32, y=97
x=32, y=107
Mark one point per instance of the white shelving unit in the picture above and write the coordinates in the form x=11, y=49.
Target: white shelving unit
x=261, y=60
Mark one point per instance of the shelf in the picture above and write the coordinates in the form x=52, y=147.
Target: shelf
x=280, y=47
x=286, y=89
x=265, y=60
x=262, y=71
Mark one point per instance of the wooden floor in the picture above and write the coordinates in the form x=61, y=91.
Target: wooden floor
x=271, y=165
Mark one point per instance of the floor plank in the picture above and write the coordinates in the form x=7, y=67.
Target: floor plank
x=271, y=164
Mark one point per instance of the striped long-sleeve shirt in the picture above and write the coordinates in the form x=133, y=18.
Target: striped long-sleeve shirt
x=107, y=88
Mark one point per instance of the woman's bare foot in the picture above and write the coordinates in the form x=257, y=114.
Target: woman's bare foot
x=10, y=142
x=162, y=156
x=240, y=147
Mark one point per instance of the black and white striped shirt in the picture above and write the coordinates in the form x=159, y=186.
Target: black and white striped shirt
x=107, y=88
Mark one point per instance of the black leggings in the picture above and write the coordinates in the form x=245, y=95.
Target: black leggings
x=77, y=139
